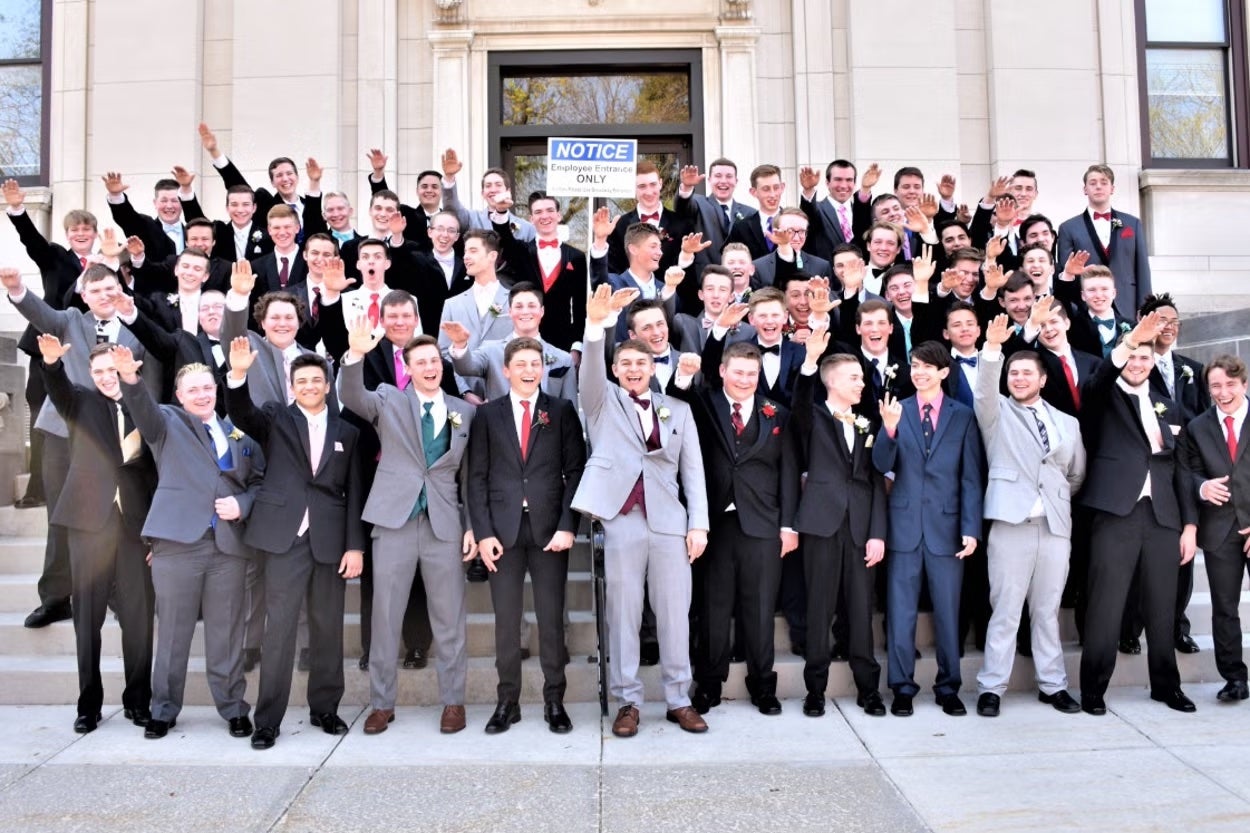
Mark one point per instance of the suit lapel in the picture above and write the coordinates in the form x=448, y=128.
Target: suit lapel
x=303, y=430
x=724, y=422
x=331, y=439
x=1095, y=248
x=945, y=416
x=766, y=425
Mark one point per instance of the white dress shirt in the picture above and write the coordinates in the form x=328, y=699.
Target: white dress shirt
x=1149, y=421
x=484, y=296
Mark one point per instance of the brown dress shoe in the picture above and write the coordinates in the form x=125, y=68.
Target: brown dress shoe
x=626, y=723
x=453, y=720
x=687, y=718
x=376, y=722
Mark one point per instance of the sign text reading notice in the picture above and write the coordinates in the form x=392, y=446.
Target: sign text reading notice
x=591, y=167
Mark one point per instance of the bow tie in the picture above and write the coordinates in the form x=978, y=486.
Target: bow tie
x=1101, y=216
x=640, y=402
x=649, y=218
x=844, y=416
x=172, y=229
x=548, y=244
x=707, y=323
x=774, y=349
x=971, y=362
x=662, y=359
x=1109, y=323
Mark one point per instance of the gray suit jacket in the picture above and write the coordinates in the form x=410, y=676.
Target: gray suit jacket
x=266, y=378
x=479, y=218
x=559, y=376
x=189, y=480
x=463, y=310
x=687, y=333
x=619, y=454
x=72, y=326
x=402, y=471
x=1125, y=256
x=1020, y=470
x=707, y=213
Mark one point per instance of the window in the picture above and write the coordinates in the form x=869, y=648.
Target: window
x=1192, y=71
x=654, y=97
x=24, y=74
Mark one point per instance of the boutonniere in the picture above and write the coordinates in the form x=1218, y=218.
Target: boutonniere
x=543, y=419
x=172, y=298
x=1125, y=327
x=1160, y=409
x=236, y=434
x=788, y=330
x=1126, y=233
x=663, y=413
x=861, y=425
x=1187, y=372
x=664, y=238
x=776, y=430
x=737, y=215
x=515, y=228
x=455, y=419
x=495, y=310
x=257, y=236
x=549, y=359
x=890, y=370
x=769, y=410
x=1116, y=222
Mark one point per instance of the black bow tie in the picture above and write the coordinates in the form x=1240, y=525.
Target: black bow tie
x=774, y=349
x=662, y=359
x=1105, y=322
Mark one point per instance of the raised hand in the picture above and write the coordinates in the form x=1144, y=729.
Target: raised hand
x=1148, y=328
x=51, y=349
x=333, y=277
x=821, y=304
x=622, y=298
x=313, y=169
x=816, y=344
x=923, y=267
x=1075, y=267
x=361, y=337
x=209, y=141
x=732, y=315
x=457, y=332
x=929, y=205
x=916, y=220
x=599, y=304
x=694, y=243
x=241, y=357
x=113, y=183
x=1040, y=311
x=946, y=187
x=689, y=364
x=891, y=413
x=963, y=214
x=126, y=363
x=397, y=225
x=110, y=246
x=183, y=177
x=603, y=225
x=242, y=280
x=999, y=330
x=995, y=279
x=10, y=278
x=451, y=164
x=808, y=178
x=673, y=276
x=870, y=177
x=135, y=246
x=124, y=304
x=853, y=276
x=13, y=194
x=502, y=203
x=690, y=176
x=1004, y=211
x=998, y=188
x=377, y=161
x=781, y=237
x=994, y=247
x=951, y=280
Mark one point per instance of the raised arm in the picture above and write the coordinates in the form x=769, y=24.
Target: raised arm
x=144, y=410
x=985, y=394
x=239, y=406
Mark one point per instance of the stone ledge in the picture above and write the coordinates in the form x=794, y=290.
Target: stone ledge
x=1199, y=179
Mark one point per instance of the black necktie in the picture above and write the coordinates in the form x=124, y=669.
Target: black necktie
x=877, y=380
x=725, y=220
x=926, y=425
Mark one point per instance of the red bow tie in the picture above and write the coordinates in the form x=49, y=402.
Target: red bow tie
x=650, y=218
x=548, y=244
x=1098, y=216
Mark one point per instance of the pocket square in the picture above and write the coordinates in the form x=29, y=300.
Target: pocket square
x=568, y=267
x=338, y=446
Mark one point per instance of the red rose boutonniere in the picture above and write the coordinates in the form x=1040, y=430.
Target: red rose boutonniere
x=769, y=410
x=543, y=419
x=776, y=430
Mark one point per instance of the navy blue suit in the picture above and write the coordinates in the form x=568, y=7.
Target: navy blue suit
x=936, y=500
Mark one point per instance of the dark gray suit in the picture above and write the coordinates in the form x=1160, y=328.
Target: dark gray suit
x=1125, y=255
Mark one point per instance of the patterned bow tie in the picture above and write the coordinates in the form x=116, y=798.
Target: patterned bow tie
x=844, y=416
x=1100, y=216
x=548, y=244
x=649, y=218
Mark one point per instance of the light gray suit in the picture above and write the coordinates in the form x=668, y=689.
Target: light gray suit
x=559, y=376
x=198, y=560
x=430, y=542
x=642, y=546
x=687, y=333
x=1028, y=550
x=462, y=309
x=479, y=218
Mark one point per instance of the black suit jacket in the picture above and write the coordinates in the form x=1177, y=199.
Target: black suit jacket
x=175, y=349
x=824, y=229
x=792, y=355
x=417, y=233
x=258, y=241
x=980, y=231
x=1204, y=456
x=1084, y=334
x=429, y=284
x=749, y=232
x=501, y=481
x=673, y=226
x=564, y=302
x=1191, y=391
x=709, y=220
x=1056, y=391
x=333, y=495
x=96, y=470
x=148, y=229
x=158, y=275
x=58, y=267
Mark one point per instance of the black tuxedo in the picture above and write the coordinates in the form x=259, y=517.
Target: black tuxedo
x=522, y=497
x=750, y=233
x=158, y=275
x=175, y=349
x=329, y=492
x=841, y=507
x=418, y=231
x=150, y=230
x=58, y=267
x=824, y=230
x=1191, y=390
x=564, y=300
x=673, y=227
x=315, y=223
x=1084, y=334
x=791, y=353
x=756, y=473
x=982, y=229
x=258, y=241
x=430, y=282
x=266, y=199
x=103, y=504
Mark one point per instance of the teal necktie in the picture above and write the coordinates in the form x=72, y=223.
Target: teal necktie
x=435, y=446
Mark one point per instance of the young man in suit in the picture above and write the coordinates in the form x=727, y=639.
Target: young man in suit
x=180, y=309
x=558, y=268
x=208, y=475
x=283, y=176
x=285, y=265
x=1065, y=368
x=782, y=358
x=1113, y=238
x=1096, y=323
x=841, y=516
x=163, y=235
x=931, y=444
x=496, y=191
x=305, y=524
x=884, y=242
x=644, y=448
x=714, y=214
x=152, y=275
x=767, y=188
x=869, y=326
x=429, y=197
x=334, y=219
x=795, y=223
x=1218, y=473
x=108, y=491
x=438, y=270
x=1036, y=462
x=419, y=521
x=483, y=308
x=670, y=227
x=715, y=293
x=753, y=487
x=1144, y=516
x=372, y=264
x=644, y=248
x=526, y=455
x=386, y=225
x=242, y=237
x=844, y=214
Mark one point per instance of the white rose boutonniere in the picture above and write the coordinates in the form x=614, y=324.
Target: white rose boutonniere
x=861, y=424
x=257, y=236
x=455, y=419
x=172, y=299
x=1116, y=222
x=548, y=359
x=1187, y=372
x=889, y=372
x=663, y=413
x=1125, y=327
x=495, y=310
x=1160, y=409
x=236, y=434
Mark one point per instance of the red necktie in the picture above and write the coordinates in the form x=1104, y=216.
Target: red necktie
x=548, y=244
x=736, y=419
x=1075, y=391
x=1231, y=438
x=649, y=218
x=284, y=274
x=374, y=310
x=525, y=427
x=1100, y=216
x=82, y=263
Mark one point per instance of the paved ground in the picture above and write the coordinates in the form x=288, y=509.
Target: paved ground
x=1142, y=767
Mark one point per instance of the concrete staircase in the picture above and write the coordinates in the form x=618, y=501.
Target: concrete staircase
x=38, y=666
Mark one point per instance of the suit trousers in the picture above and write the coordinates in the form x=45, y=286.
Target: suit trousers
x=397, y=555
x=99, y=561
x=792, y=596
x=743, y=573
x=1134, y=620
x=55, y=583
x=549, y=575
x=1026, y=563
x=945, y=576
x=1226, y=569
x=634, y=556
x=292, y=577
x=189, y=578
x=254, y=605
x=1119, y=546
x=835, y=569
x=416, y=627
x=36, y=393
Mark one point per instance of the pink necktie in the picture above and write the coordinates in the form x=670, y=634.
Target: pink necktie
x=401, y=373
x=846, y=223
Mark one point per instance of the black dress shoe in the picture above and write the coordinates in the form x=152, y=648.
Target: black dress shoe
x=45, y=615
x=799, y=649
x=302, y=664
x=737, y=655
x=415, y=659
x=704, y=700
x=649, y=653
x=871, y=703
x=240, y=727
x=1175, y=700
x=1061, y=700
x=363, y=662
x=1093, y=704
x=987, y=704
x=139, y=717
x=1232, y=692
x=1130, y=646
x=86, y=723
x=814, y=704
x=767, y=704
x=505, y=715
x=557, y=718
x=1185, y=644
x=477, y=572
x=1024, y=647
x=251, y=659
x=265, y=738
x=901, y=707
x=29, y=502
x=840, y=653
x=329, y=722
x=158, y=728
x=952, y=705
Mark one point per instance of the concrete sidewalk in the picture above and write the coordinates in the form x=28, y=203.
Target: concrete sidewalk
x=1141, y=767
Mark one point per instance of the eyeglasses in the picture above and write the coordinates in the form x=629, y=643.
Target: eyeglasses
x=445, y=232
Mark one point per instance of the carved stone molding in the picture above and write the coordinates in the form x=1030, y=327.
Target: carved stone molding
x=736, y=10
x=448, y=12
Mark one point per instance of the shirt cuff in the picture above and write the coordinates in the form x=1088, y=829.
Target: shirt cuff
x=990, y=353
x=807, y=369
x=128, y=319
x=682, y=381
x=596, y=252
x=457, y=352
x=115, y=199
x=17, y=299
x=186, y=194
x=948, y=206
x=234, y=384
x=221, y=162
x=136, y=261
x=16, y=212
x=719, y=332
x=235, y=301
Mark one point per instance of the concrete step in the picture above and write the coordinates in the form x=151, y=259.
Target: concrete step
x=23, y=522
x=53, y=680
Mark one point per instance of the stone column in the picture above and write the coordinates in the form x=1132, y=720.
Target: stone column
x=453, y=102
x=739, y=106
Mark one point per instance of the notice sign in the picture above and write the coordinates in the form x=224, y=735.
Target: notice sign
x=591, y=167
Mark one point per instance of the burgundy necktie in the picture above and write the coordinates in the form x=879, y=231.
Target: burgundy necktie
x=1072, y=387
x=736, y=419
x=316, y=304
x=284, y=274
